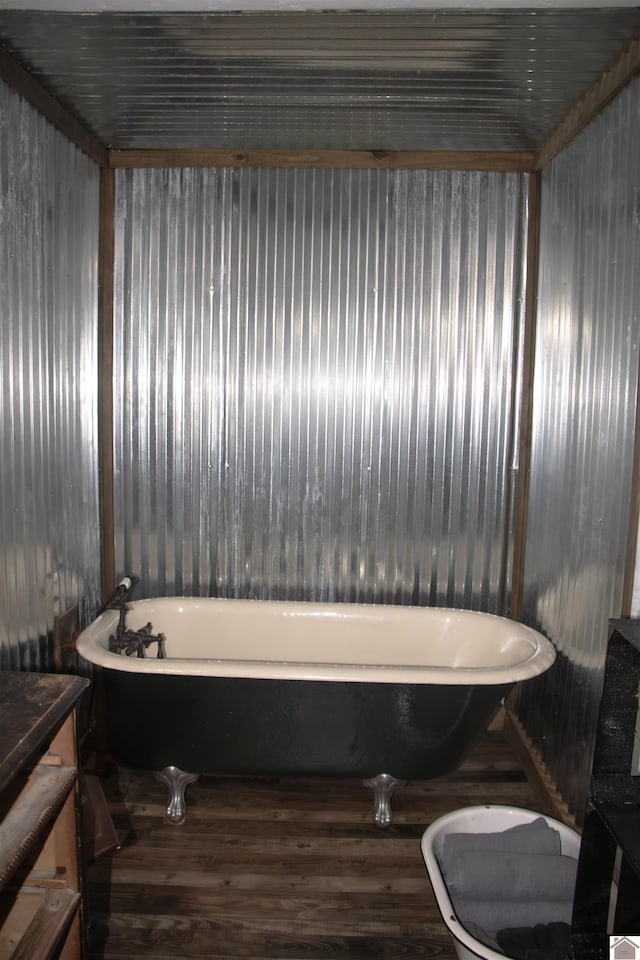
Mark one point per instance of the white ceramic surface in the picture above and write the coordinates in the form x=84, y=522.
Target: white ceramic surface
x=325, y=641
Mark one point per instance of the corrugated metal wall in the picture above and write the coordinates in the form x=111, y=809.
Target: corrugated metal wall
x=313, y=374
x=584, y=415
x=49, y=529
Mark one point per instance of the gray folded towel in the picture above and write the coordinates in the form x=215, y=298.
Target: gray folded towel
x=508, y=876
x=545, y=941
x=489, y=939
x=492, y=915
x=536, y=836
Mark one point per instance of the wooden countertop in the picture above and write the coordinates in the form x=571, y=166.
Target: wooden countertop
x=32, y=707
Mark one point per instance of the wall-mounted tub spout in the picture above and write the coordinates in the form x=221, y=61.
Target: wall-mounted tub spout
x=120, y=595
x=126, y=641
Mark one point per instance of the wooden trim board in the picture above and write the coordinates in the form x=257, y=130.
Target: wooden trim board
x=64, y=627
x=610, y=83
x=105, y=381
x=522, y=443
x=99, y=833
x=546, y=794
x=32, y=90
x=634, y=515
x=325, y=159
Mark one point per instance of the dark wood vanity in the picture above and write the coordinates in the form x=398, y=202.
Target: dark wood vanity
x=41, y=872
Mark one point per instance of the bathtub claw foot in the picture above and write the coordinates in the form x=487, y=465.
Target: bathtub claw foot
x=177, y=781
x=383, y=786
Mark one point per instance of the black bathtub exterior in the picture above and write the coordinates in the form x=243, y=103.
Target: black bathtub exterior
x=210, y=725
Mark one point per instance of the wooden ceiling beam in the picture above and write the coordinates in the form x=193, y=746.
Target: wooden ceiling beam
x=612, y=81
x=32, y=90
x=323, y=159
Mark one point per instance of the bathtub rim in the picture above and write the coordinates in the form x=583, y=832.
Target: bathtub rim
x=92, y=645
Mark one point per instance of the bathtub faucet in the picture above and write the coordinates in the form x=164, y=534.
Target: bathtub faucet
x=127, y=641
x=135, y=642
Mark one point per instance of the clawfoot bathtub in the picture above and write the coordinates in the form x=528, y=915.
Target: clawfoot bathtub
x=384, y=693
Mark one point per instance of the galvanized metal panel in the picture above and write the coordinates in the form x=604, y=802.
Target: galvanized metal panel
x=584, y=414
x=424, y=80
x=313, y=372
x=49, y=542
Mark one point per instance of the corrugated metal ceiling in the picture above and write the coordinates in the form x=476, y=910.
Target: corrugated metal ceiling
x=435, y=80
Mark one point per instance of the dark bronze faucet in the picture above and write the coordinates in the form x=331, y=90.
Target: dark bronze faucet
x=126, y=641
x=130, y=642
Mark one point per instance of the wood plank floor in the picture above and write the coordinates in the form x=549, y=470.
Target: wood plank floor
x=281, y=869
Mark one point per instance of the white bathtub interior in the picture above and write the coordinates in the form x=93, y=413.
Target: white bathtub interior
x=332, y=641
